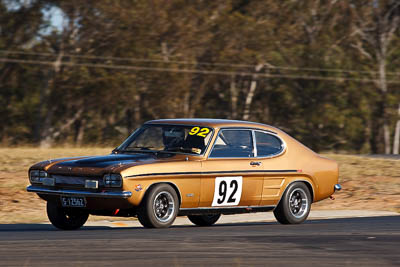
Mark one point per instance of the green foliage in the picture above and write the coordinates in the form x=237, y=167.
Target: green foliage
x=115, y=64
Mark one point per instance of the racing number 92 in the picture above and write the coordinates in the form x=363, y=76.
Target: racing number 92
x=203, y=132
x=223, y=190
x=228, y=191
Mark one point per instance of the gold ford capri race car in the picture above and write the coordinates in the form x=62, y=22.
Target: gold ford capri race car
x=200, y=168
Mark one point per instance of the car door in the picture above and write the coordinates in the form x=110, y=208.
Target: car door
x=230, y=175
x=269, y=147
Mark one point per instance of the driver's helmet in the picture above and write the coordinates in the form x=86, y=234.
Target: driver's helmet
x=173, y=137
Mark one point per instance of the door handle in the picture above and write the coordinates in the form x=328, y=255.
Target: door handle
x=255, y=163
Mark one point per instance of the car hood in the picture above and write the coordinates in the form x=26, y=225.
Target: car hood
x=99, y=165
x=105, y=161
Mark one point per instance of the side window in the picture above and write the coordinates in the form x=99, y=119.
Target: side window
x=233, y=144
x=267, y=144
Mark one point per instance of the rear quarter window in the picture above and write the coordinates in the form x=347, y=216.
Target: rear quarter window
x=267, y=144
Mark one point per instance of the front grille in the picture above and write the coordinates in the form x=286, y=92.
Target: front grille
x=74, y=181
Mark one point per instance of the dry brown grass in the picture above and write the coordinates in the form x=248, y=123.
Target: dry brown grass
x=372, y=184
x=17, y=205
x=368, y=183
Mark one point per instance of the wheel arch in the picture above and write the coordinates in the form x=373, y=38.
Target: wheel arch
x=307, y=183
x=310, y=187
x=173, y=185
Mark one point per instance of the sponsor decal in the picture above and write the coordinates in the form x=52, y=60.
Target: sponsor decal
x=138, y=188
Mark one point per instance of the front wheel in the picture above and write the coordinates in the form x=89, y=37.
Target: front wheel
x=204, y=220
x=295, y=204
x=66, y=218
x=159, y=207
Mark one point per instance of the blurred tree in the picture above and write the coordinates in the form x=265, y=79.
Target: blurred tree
x=113, y=64
x=17, y=82
x=376, y=26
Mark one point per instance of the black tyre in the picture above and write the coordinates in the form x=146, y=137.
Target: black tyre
x=159, y=207
x=66, y=218
x=204, y=220
x=295, y=204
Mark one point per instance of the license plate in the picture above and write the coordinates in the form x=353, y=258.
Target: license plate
x=73, y=201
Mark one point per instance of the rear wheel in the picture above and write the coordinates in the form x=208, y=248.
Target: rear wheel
x=204, y=220
x=159, y=207
x=66, y=218
x=295, y=204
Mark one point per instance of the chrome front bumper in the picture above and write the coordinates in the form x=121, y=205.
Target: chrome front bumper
x=338, y=187
x=69, y=192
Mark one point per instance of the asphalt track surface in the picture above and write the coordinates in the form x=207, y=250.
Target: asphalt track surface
x=371, y=241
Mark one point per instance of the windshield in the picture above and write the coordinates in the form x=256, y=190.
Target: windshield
x=168, y=138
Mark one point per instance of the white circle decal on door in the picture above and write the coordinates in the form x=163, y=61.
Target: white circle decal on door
x=227, y=191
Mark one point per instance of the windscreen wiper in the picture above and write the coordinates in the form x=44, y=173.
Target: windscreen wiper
x=141, y=147
x=146, y=150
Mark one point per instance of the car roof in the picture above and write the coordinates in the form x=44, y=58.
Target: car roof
x=215, y=123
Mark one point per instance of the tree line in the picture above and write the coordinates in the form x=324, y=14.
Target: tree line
x=324, y=71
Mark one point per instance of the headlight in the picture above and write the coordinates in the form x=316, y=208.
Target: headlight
x=112, y=180
x=36, y=176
